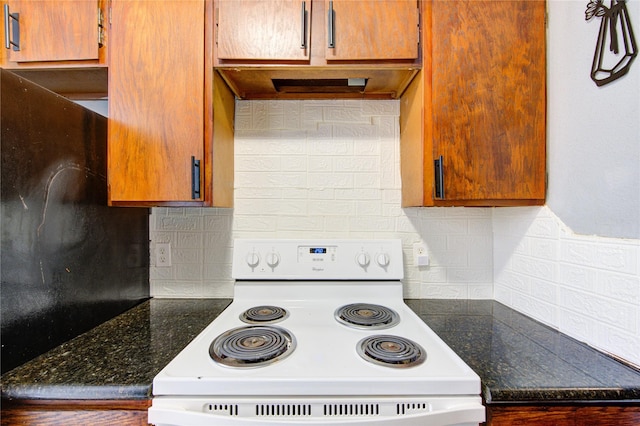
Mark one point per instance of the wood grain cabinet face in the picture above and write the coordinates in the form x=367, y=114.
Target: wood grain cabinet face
x=164, y=102
x=294, y=49
x=52, y=30
x=75, y=412
x=167, y=107
x=482, y=90
x=156, y=99
x=263, y=29
x=564, y=415
x=372, y=30
x=280, y=30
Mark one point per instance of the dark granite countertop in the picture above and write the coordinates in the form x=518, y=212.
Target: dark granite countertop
x=518, y=359
x=119, y=358
x=521, y=360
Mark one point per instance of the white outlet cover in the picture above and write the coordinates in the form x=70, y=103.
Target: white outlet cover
x=420, y=254
x=163, y=255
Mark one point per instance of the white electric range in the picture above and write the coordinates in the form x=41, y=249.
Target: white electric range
x=317, y=333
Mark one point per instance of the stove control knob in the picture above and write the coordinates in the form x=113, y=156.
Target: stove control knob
x=383, y=259
x=252, y=259
x=363, y=259
x=272, y=259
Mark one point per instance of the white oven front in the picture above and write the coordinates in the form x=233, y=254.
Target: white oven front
x=344, y=411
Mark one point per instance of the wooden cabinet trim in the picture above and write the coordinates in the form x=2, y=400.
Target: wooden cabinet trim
x=75, y=412
x=601, y=414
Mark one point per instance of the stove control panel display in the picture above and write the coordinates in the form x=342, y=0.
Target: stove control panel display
x=316, y=254
x=317, y=259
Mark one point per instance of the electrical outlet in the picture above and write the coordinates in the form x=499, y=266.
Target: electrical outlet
x=163, y=254
x=420, y=255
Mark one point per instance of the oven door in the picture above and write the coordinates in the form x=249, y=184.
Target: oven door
x=249, y=411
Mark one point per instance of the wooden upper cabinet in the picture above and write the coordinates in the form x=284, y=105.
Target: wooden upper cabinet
x=348, y=30
x=46, y=30
x=481, y=137
x=162, y=147
x=372, y=30
x=156, y=99
x=488, y=66
x=58, y=44
x=279, y=49
x=263, y=29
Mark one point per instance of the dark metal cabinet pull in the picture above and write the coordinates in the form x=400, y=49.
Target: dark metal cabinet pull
x=11, y=38
x=195, y=178
x=439, y=178
x=303, y=44
x=331, y=26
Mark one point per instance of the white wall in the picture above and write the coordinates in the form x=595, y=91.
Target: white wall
x=593, y=132
x=548, y=261
x=321, y=169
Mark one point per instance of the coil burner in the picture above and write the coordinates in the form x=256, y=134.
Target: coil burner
x=391, y=351
x=367, y=316
x=252, y=346
x=264, y=315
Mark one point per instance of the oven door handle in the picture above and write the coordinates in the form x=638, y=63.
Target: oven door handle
x=453, y=414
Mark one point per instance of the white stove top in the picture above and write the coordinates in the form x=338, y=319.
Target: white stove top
x=325, y=360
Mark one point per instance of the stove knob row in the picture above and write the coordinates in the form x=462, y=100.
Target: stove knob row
x=382, y=259
x=272, y=259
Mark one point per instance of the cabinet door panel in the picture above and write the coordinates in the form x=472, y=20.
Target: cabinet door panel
x=488, y=95
x=263, y=29
x=373, y=30
x=156, y=98
x=56, y=30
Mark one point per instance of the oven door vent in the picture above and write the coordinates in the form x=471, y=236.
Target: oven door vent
x=351, y=409
x=412, y=408
x=280, y=410
x=229, y=409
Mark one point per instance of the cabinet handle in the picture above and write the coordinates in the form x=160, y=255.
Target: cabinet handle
x=195, y=178
x=331, y=26
x=303, y=41
x=11, y=38
x=439, y=178
x=100, y=28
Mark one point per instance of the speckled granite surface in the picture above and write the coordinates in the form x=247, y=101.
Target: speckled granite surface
x=522, y=360
x=518, y=359
x=118, y=359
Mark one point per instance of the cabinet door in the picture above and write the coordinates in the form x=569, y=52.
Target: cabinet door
x=54, y=30
x=156, y=99
x=372, y=30
x=263, y=29
x=488, y=98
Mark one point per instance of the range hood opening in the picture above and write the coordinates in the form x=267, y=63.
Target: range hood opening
x=320, y=85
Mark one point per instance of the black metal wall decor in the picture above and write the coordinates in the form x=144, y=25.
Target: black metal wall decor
x=616, y=46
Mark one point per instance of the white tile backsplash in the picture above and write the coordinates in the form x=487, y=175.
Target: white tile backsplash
x=586, y=286
x=321, y=169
